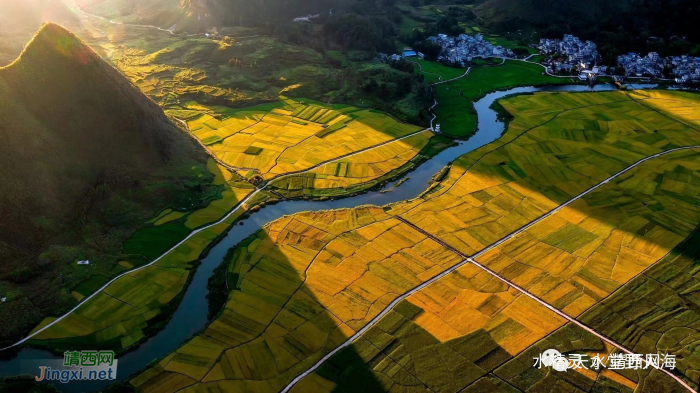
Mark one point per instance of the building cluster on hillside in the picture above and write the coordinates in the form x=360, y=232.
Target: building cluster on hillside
x=573, y=53
x=683, y=68
x=458, y=50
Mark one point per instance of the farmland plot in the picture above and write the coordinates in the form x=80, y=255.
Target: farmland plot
x=471, y=330
x=557, y=146
x=293, y=137
x=363, y=170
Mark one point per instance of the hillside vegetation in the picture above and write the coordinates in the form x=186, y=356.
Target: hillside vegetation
x=616, y=26
x=86, y=159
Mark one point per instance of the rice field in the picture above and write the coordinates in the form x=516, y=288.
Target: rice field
x=519, y=372
x=361, y=171
x=302, y=285
x=656, y=310
x=455, y=111
x=557, y=146
x=471, y=322
x=305, y=283
x=470, y=332
x=572, y=260
x=292, y=137
x=434, y=71
x=583, y=253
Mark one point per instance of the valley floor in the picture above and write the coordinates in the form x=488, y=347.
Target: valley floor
x=585, y=192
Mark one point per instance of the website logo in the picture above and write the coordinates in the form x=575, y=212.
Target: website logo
x=552, y=358
x=77, y=366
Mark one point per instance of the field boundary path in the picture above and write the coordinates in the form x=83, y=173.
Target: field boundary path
x=467, y=259
x=205, y=227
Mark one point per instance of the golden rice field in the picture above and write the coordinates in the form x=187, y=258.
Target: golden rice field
x=303, y=285
x=362, y=170
x=121, y=311
x=117, y=316
x=584, y=252
x=470, y=332
x=519, y=373
x=445, y=337
x=294, y=136
x=558, y=145
x=306, y=282
x=472, y=322
x=571, y=260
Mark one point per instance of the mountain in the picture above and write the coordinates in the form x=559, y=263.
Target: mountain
x=86, y=158
x=204, y=14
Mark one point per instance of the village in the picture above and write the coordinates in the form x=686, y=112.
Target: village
x=571, y=54
x=684, y=69
x=463, y=48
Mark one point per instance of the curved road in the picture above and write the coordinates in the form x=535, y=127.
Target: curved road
x=467, y=259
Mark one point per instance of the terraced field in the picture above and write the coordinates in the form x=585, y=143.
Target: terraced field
x=470, y=330
x=294, y=136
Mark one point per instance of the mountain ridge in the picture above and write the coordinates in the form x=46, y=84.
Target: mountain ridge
x=86, y=159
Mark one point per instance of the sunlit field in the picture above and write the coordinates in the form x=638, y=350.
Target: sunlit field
x=293, y=136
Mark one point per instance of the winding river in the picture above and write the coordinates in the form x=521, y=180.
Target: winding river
x=191, y=315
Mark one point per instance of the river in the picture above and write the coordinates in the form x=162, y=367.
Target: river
x=191, y=315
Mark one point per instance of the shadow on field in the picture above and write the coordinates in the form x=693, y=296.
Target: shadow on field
x=586, y=260
x=274, y=326
x=271, y=329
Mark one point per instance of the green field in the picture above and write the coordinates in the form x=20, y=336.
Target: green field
x=455, y=111
x=126, y=311
x=433, y=70
x=241, y=73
